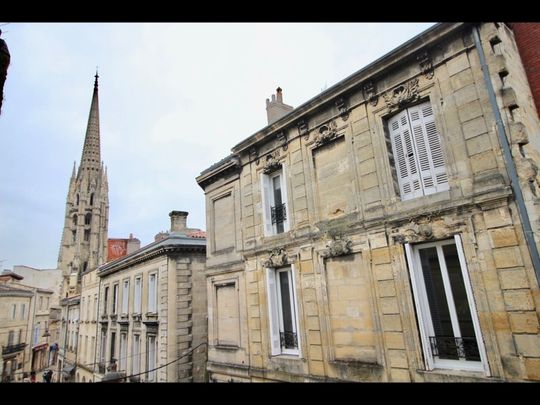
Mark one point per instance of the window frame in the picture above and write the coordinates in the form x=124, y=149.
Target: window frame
x=152, y=290
x=125, y=296
x=268, y=201
x=137, y=295
x=423, y=310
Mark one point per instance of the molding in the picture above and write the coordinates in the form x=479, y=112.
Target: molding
x=272, y=164
x=327, y=133
x=370, y=92
x=276, y=258
x=426, y=64
x=338, y=246
x=402, y=95
x=342, y=107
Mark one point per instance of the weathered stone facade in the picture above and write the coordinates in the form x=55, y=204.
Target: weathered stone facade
x=152, y=310
x=354, y=250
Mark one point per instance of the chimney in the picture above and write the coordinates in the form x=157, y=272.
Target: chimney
x=276, y=108
x=133, y=244
x=178, y=220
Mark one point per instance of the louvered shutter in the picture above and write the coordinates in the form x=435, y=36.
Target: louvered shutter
x=404, y=156
x=273, y=319
x=285, y=200
x=266, y=191
x=429, y=151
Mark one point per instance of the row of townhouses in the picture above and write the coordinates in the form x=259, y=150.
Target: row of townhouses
x=385, y=230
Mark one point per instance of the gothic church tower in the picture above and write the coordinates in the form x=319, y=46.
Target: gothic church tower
x=84, y=238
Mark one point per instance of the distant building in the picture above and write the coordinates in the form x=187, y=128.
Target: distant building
x=152, y=309
x=388, y=228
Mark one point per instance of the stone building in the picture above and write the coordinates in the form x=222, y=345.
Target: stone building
x=152, y=309
x=379, y=231
x=84, y=237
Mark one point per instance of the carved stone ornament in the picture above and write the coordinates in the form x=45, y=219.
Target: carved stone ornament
x=342, y=108
x=414, y=233
x=426, y=65
x=277, y=258
x=337, y=247
x=282, y=139
x=303, y=128
x=326, y=134
x=402, y=95
x=370, y=93
x=254, y=155
x=271, y=165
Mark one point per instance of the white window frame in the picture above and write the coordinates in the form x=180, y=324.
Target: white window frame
x=419, y=160
x=267, y=198
x=137, y=295
x=116, y=288
x=423, y=311
x=13, y=311
x=125, y=296
x=152, y=292
x=23, y=311
x=275, y=310
x=151, y=357
x=122, y=361
x=136, y=355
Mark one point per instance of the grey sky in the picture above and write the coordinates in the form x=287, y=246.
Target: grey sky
x=174, y=99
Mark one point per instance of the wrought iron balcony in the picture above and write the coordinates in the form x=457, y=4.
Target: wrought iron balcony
x=279, y=214
x=288, y=340
x=13, y=348
x=449, y=347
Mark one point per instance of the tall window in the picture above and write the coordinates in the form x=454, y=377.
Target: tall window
x=446, y=311
x=417, y=152
x=105, y=300
x=151, y=351
x=125, y=296
x=73, y=236
x=152, y=290
x=87, y=219
x=36, y=334
x=136, y=355
x=274, y=197
x=13, y=311
x=115, y=299
x=137, y=298
x=113, y=346
x=23, y=310
x=103, y=354
x=92, y=199
x=40, y=303
x=86, y=235
x=94, y=310
x=74, y=219
x=282, y=311
x=11, y=338
x=123, y=352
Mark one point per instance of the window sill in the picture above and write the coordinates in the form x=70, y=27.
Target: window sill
x=227, y=347
x=450, y=375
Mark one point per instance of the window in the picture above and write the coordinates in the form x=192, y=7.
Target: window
x=446, y=311
x=73, y=236
x=417, y=152
x=94, y=309
x=40, y=303
x=87, y=349
x=35, y=340
x=151, y=358
x=23, y=310
x=136, y=355
x=115, y=299
x=13, y=311
x=152, y=296
x=86, y=235
x=123, y=352
x=274, y=197
x=113, y=345
x=74, y=219
x=137, y=299
x=77, y=199
x=105, y=300
x=125, y=297
x=19, y=338
x=92, y=199
x=87, y=219
x=47, y=303
x=88, y=303
x=11, y=338
x=103, y=355
x=92, y=348
x=282, y=311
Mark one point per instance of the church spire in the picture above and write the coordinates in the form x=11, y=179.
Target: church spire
x=91, y=155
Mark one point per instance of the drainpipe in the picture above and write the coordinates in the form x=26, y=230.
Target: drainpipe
x=510, y=166
x=97, y=329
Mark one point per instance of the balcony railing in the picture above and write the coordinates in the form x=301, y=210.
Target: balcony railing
x=288, y=340
x=13, y=348
x=279, y=214
x=449, y=347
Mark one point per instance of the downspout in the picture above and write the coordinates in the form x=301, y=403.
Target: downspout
x=97, y=330
x=510, y=166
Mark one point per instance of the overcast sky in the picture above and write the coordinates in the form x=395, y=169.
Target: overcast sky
x=174, y=99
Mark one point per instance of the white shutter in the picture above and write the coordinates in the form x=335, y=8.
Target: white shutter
x=266, y=191
x=273, y=319
x=404, y=156
x=285, y=199
x=125, y=297
x=428, y=147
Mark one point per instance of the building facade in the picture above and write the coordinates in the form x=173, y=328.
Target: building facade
x=84, y=237
x=152, y=309
x=374, y=233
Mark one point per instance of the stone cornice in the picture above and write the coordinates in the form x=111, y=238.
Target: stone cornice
x=230, y=164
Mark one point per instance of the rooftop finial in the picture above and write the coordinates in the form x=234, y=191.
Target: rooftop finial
x=96, y=76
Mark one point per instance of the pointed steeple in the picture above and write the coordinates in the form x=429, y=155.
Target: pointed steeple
x=91, y=154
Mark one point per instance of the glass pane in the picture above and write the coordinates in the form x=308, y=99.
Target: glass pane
x=276, y=186
x=287, y=314
x=463, y=311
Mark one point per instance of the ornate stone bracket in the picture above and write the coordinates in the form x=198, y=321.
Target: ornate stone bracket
x=326, y=134
x=303, y=128
x=254, y=154
x=427, y=227
x=342, y=107
x=370, y=93
x=337, y=247
x=426, y=64
x=415, y=233
x=402, y=95
x=277, y=258
x=272, y=164
x=282, y=139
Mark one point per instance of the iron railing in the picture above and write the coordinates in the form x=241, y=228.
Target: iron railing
x=279, y=214
x=13, y=348
x=449, y=347
x=288, y=340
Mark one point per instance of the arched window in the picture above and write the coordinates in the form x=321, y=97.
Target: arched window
x=77, y=199
x=75, y=219
x=92, y=199
x=87, y=219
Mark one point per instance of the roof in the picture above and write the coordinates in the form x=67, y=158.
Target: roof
x=10, y=291
x=11, y=274
x=193, y=241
